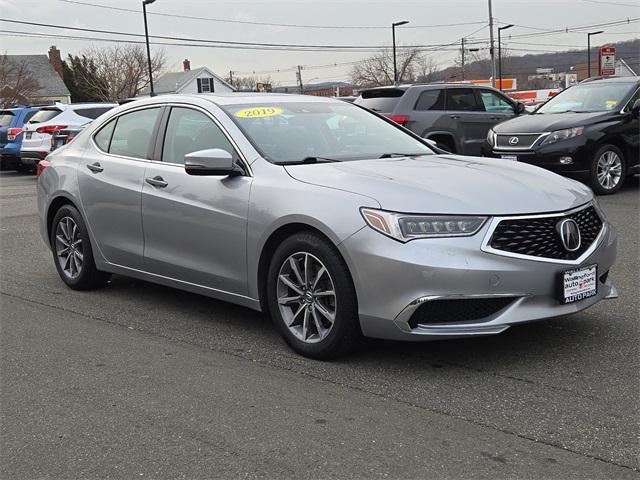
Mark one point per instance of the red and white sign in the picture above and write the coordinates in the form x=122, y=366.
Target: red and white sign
x=607, y=61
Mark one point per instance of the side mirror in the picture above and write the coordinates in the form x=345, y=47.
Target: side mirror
x=213, y=161
x=635, y=109
x=520, y=108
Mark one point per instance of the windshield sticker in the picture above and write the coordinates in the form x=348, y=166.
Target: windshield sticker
x=611, y=104
x=259, y=112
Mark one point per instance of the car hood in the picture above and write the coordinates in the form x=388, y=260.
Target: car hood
x=449, y=184
x=549, y=122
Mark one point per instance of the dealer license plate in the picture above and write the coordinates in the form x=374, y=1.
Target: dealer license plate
x=579, y=284
x=513, y=158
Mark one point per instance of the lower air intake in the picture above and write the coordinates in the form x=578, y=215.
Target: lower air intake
x=457, y=310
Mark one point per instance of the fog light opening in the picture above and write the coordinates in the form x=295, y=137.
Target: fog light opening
x=566, y=160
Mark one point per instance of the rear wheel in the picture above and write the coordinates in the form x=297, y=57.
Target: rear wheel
x=72, y=251
x=312, y=299
x=608, y=170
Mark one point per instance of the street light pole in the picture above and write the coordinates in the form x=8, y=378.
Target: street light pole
x=393, y=35
x=500, y=53
x=589, y=50
x=146, y=36
x=491, y=49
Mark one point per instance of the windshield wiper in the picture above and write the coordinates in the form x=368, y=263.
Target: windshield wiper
x=393, y=155
x=309, y=160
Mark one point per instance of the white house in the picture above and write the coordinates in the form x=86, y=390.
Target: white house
x=200, y=80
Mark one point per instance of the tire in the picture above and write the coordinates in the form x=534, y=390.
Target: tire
x=314, y=323
x=608, y=170
x=76, y=267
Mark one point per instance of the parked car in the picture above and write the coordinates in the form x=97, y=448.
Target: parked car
x=11, y=122
x=333, y=218
x=589, y=132
x=456, y=116
x=36, y=142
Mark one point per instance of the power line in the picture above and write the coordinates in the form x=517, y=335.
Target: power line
x=266, y=24
x=602, y=2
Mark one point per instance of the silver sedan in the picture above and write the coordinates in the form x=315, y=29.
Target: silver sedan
x=335, y=220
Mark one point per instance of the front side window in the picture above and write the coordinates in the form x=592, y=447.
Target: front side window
x=291, y=132
x=431, y=100
x=462, y=99
x=589, y=97
x=133, y=133
x=494, y=102
x=190, y=131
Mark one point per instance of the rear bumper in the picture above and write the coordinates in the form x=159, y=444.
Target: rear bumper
x=32, y=158
x=393, y=280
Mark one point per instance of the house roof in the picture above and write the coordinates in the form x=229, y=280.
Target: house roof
x=172, y=82
x=51, y=85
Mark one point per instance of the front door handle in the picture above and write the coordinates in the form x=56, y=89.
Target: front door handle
x=495, y=118
x=156, y=181
x=95, y=167
x=455, y=117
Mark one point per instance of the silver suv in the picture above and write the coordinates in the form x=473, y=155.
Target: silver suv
x=456, y=117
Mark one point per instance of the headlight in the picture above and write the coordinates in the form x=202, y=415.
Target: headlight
x=405, y=227
x=558, y=135
x=491, y=137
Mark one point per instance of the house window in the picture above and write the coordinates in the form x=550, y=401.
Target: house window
x=205, y=85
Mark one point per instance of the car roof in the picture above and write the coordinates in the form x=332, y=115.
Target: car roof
x=615, y=79
x=235, y=98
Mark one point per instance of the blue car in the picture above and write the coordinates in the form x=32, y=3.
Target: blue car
x=11, y=122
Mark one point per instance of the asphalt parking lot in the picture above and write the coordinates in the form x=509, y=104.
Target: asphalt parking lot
x=139, y=380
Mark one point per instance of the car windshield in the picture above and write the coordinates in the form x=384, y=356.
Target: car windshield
x=588, y=97
x=5, y=118
x=312, y=132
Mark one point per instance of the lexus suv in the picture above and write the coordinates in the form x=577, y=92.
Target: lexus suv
x=456, y=117
x=589, y=132
x=37, y=132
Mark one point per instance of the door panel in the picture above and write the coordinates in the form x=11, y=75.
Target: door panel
x=195, y=226
x=470, y=119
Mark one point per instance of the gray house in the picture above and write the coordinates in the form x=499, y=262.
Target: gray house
x=200, y=80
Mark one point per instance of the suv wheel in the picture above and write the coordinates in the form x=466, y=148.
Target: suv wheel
x=72, y=251
x=607, y=170
x=312, y=299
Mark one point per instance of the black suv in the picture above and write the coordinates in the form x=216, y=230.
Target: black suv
x=457, y=116
x=589, y=132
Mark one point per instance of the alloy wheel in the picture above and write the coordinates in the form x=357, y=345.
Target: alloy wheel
x=306, y=297
x=609, y=170
x=69, y=249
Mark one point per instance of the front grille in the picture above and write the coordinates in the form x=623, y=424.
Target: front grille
x=457, y=310
x=524, y=141
x=538, y=237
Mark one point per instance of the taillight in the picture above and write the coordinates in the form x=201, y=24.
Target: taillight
x=12, y=133
x=399, y=119
x=42, y=164
x=50, y=128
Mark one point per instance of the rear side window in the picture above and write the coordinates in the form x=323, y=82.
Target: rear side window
x=133, y=133
x=103, y=137
x=430, y=100
x=383, y=100
x=93, y=112
x=28, y=116
x=462, y=99
x=6, y=118
x=45, y=115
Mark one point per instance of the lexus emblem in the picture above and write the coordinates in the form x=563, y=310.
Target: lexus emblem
x=514, y=140
x=569, y=234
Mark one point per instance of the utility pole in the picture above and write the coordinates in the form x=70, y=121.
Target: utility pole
x=462, y=41
x=152, y=93
x=589, y=50
x=299, y=75
x=231, y=77
x=491, y=49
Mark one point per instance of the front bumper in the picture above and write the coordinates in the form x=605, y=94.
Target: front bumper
x=393, y=279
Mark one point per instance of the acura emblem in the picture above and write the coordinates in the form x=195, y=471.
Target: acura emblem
x=569, y=234
x=514, y=140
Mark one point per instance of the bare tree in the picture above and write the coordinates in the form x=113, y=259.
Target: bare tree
x=378, y=70
x=17, y=84
x=426, y=70
x=121, y=71
x=249, y=83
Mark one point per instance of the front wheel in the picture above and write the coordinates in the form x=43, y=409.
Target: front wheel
x=312, y=299
x=607, y=170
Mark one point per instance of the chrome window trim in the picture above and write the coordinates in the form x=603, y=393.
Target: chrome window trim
x=493, y=224
x=508, y=149
x=624, y=109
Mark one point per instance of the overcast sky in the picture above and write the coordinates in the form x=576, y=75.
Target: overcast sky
x=540, y=14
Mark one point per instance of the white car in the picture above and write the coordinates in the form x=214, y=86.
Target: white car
x=36, y=141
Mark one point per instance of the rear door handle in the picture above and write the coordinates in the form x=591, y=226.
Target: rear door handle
x=455, y=117
x=156, y=181
x=495, y=118
x=95, y=167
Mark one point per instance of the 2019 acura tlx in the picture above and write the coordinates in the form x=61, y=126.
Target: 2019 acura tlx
x=335, y=220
